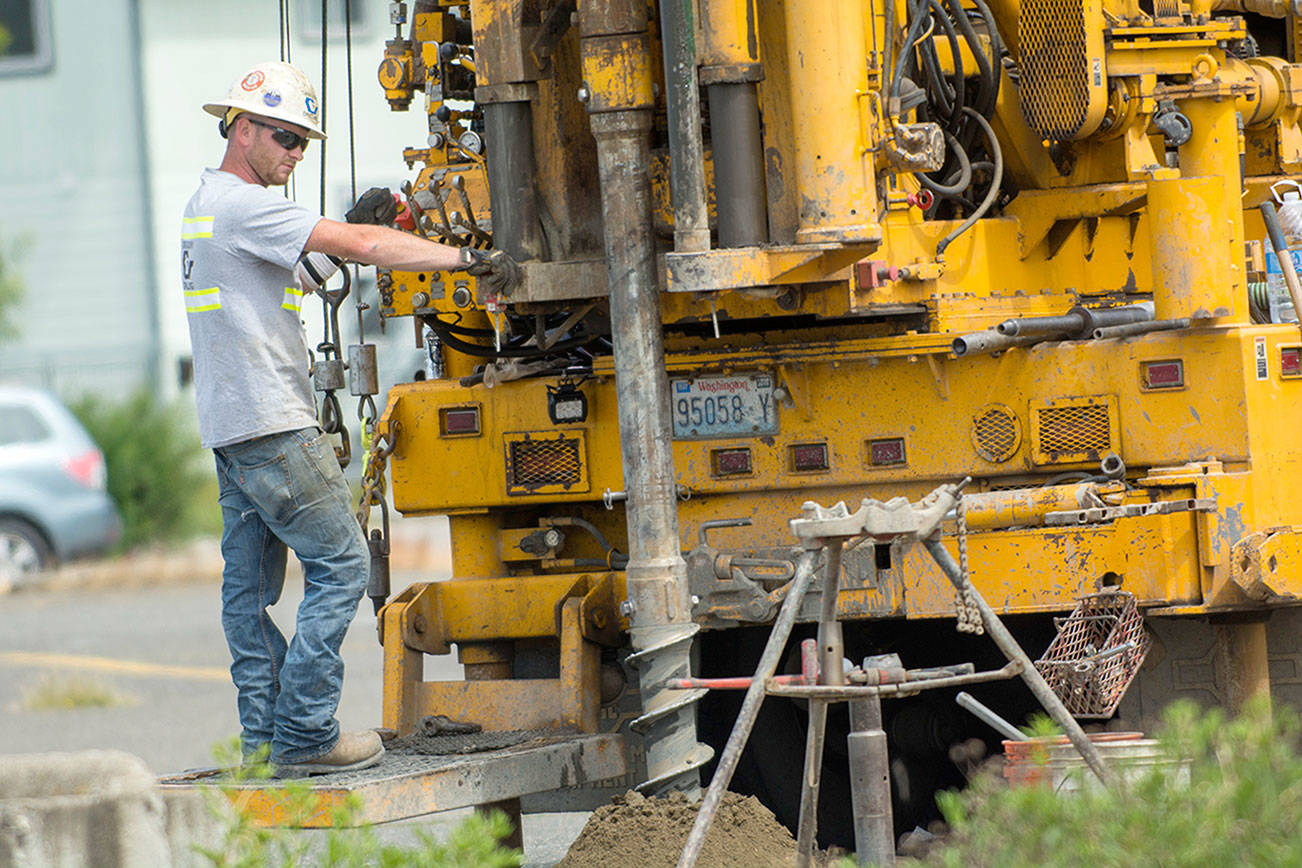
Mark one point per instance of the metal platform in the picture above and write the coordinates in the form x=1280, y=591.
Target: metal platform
x=422, y=775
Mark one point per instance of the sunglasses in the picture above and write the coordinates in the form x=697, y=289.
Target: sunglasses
x=283, y=137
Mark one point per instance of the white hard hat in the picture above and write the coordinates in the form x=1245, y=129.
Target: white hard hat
x=273, y=89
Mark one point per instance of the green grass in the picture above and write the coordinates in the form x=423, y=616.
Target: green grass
x=65, y=693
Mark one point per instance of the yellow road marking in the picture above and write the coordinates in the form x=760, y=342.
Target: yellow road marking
x=119, y=667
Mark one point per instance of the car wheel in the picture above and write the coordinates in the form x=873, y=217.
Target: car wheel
x=22, y=550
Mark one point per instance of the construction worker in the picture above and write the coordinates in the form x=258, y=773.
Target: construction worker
x=281, y=487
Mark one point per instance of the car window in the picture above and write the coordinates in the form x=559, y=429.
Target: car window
x=21, y=424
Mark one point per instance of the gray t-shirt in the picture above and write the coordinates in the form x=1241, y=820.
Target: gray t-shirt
x=239, y=245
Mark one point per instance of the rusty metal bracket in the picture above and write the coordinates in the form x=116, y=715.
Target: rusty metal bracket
x=1101, y=514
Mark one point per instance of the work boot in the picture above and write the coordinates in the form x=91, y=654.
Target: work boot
x=353, y=751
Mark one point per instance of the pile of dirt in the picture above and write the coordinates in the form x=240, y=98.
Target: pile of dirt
x=651, y=833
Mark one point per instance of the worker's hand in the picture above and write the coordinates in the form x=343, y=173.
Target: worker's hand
x=496, y=270
x=376, y=206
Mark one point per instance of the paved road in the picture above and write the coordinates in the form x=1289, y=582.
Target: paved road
x=162, y=650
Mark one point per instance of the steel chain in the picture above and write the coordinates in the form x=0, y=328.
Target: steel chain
x=377, y=456
x=967, y=611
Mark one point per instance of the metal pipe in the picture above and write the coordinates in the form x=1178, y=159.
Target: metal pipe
x=811, y=783
x=831, y=648
x=988, y=342
x=686, y=153
x=660, y=614
x=831, y=672
x=1140, y=328
x=1079, y=322
x=870, y=784
x=740, y=199
x=907, y=688
x=1280, y=246
x=750, y=706
x=661, y=629
x=508, y=134
x=1034, y=680
x=985, y=715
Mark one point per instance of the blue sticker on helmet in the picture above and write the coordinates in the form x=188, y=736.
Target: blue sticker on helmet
x=311, y=105
x=271, y=98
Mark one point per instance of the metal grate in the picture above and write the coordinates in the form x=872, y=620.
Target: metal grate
x=1096, y=654
x=545, y=462
x=1058, y=53
x=1083, y=428
x=997, y=433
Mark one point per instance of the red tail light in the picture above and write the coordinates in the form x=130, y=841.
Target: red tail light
x=87, y=469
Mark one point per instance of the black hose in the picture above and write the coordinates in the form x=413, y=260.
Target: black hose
x=984, y=103
x=953, y=94
x=995, y=182
x=506, y=352
x=917, y=20
x=997, y=48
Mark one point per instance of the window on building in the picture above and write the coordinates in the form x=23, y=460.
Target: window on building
x=24, y=36
x=309, y=18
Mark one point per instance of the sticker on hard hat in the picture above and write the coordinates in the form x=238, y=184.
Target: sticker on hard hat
x=271, y=98
x=311, y=105
x=253, y=80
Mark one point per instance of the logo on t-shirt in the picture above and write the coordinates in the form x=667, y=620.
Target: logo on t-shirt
x=253, y=80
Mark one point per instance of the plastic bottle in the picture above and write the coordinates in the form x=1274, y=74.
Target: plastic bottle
x=1289, y=196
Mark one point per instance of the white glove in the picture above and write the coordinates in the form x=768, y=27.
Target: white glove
x=314, y=269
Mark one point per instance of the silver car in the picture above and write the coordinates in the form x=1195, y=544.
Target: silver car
x=54, y=504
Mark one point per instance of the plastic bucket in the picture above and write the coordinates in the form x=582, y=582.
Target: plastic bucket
x=1054, y=761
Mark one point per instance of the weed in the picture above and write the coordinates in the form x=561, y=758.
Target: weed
x=1233, y=798
x=55, y=693
x=474, y=843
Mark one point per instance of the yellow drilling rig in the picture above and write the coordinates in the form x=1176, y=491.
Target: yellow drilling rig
x=778, y=251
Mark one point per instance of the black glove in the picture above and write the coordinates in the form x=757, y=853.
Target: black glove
x=497, y=271
x=375, y=206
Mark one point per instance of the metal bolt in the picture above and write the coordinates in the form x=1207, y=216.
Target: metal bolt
x=584, y=94
x=626, y=608
x=420, y=299
x=461, y=295
x=418, y=624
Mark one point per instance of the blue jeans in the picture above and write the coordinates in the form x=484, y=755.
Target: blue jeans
x=286, y=490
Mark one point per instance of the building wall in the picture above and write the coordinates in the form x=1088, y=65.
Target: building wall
x=72, y=206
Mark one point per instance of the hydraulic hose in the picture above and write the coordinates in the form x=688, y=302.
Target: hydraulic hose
x=995, y=183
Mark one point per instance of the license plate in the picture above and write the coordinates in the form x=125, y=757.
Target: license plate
x=740, y=405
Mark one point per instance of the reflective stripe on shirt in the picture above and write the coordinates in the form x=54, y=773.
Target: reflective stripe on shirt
x=201, y=300
x=196, y=227
x=293, y=299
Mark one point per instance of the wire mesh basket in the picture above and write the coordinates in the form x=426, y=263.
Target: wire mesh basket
x=1096, y=654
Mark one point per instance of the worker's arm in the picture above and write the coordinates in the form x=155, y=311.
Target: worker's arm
x=379, y=245
x=389, y=248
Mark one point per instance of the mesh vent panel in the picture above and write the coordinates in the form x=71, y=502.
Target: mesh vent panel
x=1055, y=67
x=996, y=433
x=1075, y=429
x=545, y=462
